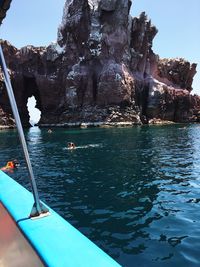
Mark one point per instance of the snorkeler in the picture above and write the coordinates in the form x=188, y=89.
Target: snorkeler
x=11, y=165
x=71, y=145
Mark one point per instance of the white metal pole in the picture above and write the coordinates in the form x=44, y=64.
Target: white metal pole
x=38, y=205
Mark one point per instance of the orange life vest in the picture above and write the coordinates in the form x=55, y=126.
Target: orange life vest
x=10, y=165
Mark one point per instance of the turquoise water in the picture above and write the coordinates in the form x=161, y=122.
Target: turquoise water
x=135, y=192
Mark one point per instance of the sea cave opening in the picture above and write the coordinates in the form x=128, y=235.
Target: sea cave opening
x=31, y=100
x=34, y=113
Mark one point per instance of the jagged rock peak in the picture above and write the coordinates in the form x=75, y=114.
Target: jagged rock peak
x=75, y=8
x=177, y=72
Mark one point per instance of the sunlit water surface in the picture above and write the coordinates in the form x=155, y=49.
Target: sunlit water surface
x=135, y=192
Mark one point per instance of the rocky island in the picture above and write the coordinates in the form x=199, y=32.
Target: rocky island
x=100, y=71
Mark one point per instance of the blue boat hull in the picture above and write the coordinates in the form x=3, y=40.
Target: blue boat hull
x=48, y=241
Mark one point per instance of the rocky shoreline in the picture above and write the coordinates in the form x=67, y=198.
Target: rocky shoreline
x=106, y=124
x=100, y=124
x=101, y=71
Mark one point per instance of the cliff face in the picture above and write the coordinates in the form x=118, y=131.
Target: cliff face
x=101, y=69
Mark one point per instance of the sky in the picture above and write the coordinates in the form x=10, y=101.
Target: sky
x=178, y=23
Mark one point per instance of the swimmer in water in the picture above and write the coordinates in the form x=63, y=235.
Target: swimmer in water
x=71, y=145
x=10, y=166
x=49, y=131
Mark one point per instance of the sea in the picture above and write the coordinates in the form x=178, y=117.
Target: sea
x=135, y=192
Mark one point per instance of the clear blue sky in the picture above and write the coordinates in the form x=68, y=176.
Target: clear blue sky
x=178, y=21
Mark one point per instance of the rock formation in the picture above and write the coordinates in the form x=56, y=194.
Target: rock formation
x=102, y=69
